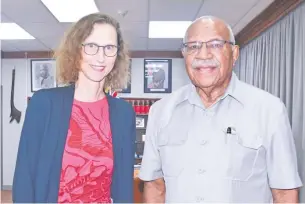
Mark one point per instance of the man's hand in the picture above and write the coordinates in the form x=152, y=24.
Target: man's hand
x=154, y=191
x=285, y=196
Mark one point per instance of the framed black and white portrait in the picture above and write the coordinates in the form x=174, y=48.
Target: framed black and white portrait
x=157, y=75
x=43, y=74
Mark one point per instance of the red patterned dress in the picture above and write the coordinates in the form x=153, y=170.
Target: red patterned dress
x=87, y=164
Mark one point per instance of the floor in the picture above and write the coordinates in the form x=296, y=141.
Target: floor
x=6, y=197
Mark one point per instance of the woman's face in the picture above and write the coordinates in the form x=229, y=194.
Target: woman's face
x=99, y=52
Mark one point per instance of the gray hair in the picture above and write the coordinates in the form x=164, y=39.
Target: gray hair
x=232, y=38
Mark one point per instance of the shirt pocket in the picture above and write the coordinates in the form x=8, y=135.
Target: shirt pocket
x=171, y=145
x=243, y=151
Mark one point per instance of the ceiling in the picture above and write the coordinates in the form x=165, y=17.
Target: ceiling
x=36, y=19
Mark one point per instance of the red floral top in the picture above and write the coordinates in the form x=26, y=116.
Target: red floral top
x=87, y=164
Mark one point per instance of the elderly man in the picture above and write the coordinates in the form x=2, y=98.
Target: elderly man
x=218, y=139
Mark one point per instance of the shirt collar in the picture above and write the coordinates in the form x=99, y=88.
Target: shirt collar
x=234, y=89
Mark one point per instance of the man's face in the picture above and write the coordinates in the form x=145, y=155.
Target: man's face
x=211, y=64
x=43, y=72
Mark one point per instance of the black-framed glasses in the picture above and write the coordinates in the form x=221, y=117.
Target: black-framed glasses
x=93, y=49
x=212, y=45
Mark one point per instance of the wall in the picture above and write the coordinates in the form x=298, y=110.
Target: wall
x=11, y=131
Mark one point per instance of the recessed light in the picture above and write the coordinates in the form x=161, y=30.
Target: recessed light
x=168, y=29
x=12, y=31
x=70, y=10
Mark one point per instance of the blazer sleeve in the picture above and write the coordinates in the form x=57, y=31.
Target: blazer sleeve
x=23, y=186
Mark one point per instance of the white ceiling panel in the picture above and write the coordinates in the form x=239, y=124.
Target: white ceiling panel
x=7, y=46
x=248, y=17
x=36, y=19
x=231, y=11
x=29, y=45
x=5, y=19
x=66, y=26
x=164, y=44
x=129, y=29
x=135, y=29
x=43, y=30
x=51, y=43
x=137, y=9
x=174, y=10
x=27, y=11
x=137, y=43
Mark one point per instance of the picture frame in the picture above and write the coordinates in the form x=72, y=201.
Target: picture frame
x=128, y=88
x=43, y=74
x=157, y=75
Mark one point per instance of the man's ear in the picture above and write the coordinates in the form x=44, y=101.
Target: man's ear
x=235, y=53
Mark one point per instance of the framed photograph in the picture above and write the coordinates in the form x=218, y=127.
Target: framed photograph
x=157, y=75
x=140, y=122
x=43, y=74
x=127, y=89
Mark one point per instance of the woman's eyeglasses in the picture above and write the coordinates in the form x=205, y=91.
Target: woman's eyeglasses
x=93, y=49
x=195, y=46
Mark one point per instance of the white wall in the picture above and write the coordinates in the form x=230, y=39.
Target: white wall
x=11, y=132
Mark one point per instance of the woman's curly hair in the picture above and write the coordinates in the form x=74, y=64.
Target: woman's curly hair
x=68, y=56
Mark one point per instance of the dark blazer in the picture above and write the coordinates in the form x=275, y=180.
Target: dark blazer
x=43, y=139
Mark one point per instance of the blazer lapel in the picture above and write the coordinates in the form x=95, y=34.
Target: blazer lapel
x=64, y=103
x=66, y=109
x=116, y=143
x=114, y=123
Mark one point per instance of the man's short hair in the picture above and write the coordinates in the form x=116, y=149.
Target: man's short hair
x=232, y=38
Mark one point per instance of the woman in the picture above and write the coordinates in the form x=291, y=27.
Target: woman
x=77, y=143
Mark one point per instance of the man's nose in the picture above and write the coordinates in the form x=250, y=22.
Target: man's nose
x=204, y=52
